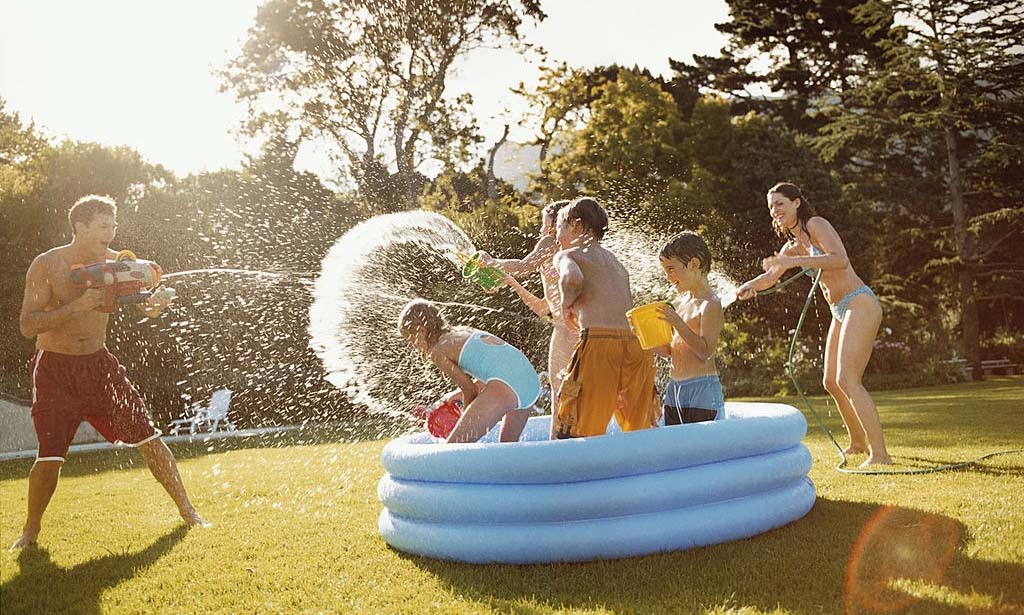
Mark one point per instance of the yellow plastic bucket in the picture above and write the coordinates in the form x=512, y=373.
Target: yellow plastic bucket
x=650, y=328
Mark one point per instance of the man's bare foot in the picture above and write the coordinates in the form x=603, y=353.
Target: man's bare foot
x=26, y=540
x=855, y=450
x=877, y=460
x=192, y=519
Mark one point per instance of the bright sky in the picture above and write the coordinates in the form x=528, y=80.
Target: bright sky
x=140, y=72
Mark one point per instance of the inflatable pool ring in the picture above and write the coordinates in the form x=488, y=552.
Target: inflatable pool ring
x=612, y=496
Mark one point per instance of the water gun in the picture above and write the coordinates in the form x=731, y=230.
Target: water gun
x=125, y=279
x=442, y=419
x=488, y=277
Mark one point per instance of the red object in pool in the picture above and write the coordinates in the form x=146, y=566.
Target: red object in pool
x=442, y=420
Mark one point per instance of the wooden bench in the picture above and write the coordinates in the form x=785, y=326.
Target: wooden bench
x=989, y=367
x=1002, y=367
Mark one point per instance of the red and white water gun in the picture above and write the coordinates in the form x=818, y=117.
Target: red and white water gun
x=125, y=279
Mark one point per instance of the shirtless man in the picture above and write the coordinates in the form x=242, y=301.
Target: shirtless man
x=609, y=373
x=74, y=376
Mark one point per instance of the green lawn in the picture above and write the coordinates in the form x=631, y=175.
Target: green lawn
x=295, y=531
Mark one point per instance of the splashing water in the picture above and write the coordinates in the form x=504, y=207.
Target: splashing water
x=724, y=287
x=253, y=272
x=637, y=249
x=239, y=329
x=638, y=252
x=386, y=261
x=368, y=276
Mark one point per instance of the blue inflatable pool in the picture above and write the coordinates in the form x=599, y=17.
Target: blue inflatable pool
x=612, y=496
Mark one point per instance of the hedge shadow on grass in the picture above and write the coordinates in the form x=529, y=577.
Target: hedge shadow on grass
x=827, y=560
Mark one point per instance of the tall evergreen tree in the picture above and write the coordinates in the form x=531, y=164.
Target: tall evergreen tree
x=787, y=57
x=937, y=131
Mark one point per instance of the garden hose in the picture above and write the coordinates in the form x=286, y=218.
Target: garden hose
x=786, y=282
x=792, y=376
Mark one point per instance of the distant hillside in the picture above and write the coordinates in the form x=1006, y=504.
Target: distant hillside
x=515, y=161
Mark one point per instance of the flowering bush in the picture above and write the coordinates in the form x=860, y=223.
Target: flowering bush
x=889, y=357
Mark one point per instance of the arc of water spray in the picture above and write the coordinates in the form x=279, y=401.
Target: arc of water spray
x=471, y=306
x=342, y=325
x=254, y=272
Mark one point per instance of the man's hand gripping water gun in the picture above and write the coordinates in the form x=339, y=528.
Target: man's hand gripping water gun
x=125, y=280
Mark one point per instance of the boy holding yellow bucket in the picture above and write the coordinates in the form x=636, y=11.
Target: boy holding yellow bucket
x=694, y=392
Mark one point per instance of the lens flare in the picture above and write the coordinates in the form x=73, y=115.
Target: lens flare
x=897, y=544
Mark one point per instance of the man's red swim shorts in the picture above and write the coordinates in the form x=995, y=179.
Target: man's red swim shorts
x=67, y=389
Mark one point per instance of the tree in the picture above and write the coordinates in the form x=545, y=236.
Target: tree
x=24, y=162
x=628, y=143
x=787, y=57
x=78, y=168
x=561, y=100
x=369, y=77
x=498, y=225
x=944, y=112
x=23, y=157
x=626, y=148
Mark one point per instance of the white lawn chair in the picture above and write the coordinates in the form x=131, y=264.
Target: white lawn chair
x=209, y=417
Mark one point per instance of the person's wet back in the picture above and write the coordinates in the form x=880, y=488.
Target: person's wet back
x=609, y=373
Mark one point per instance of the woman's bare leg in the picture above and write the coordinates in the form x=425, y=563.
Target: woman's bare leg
x=858, y=437
x=856, y=341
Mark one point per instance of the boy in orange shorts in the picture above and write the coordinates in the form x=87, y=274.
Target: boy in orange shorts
x=609, y=373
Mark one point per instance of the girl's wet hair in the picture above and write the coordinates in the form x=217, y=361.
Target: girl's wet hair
x=687, y=245
x=422, y=315
x=804, y=211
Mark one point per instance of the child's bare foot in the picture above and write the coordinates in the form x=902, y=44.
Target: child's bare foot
x=192, y=519
x=877, y=460
x=26, y=540
x=855, y=449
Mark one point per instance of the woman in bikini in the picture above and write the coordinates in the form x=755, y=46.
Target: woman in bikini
x=856, y=313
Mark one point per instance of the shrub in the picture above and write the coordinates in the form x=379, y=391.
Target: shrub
x=889, y=357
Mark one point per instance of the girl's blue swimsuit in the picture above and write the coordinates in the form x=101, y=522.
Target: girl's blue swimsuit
x=486, y=358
